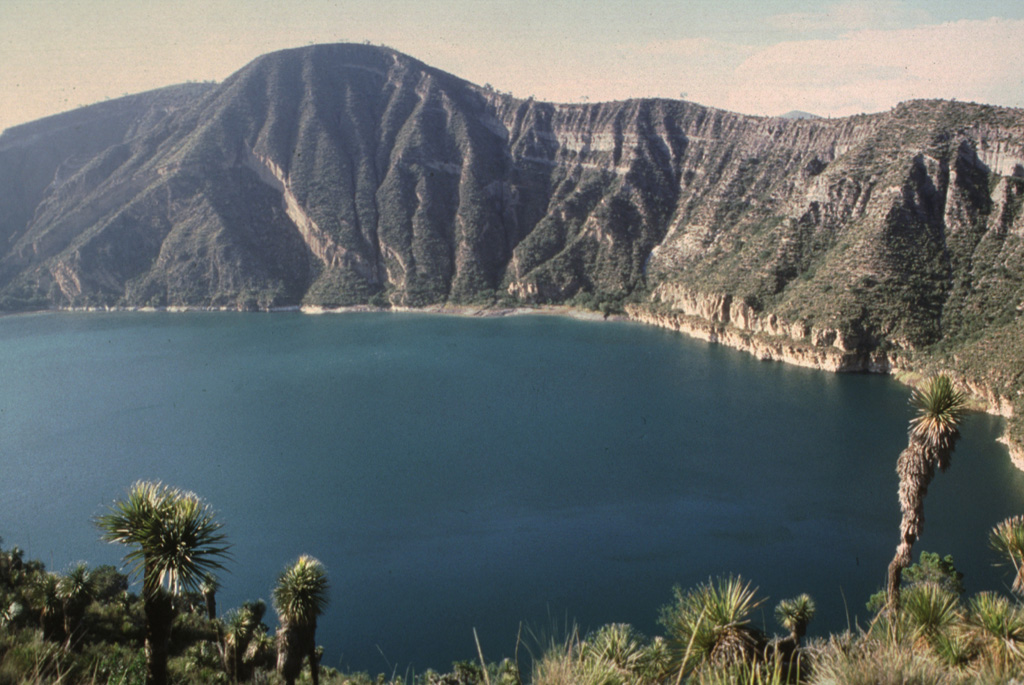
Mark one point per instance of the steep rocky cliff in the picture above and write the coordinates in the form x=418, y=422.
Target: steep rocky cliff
x=337, y=175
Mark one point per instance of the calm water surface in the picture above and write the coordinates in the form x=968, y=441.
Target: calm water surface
x=456, y=473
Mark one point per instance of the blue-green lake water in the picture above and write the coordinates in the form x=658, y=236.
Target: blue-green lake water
x=457, y=473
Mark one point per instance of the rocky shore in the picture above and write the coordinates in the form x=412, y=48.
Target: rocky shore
x=710, y=321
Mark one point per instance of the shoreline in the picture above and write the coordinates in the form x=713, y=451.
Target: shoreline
x=469, y=311
x=831, y=359
x=783, y=350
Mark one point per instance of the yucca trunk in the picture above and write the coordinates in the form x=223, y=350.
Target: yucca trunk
x=290, y=652
x=233, y=660
x=210, y=596
x=229, y=660
x=916, y=469
x=159, y=609
x=314, y=656
x=67, y=629
x=50, y=625
x=72, y=623
x=295, y=643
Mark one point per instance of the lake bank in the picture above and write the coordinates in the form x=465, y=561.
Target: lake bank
x=782, y=348
x=833, y=359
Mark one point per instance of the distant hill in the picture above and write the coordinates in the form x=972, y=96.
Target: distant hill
x=344, y=174
x=797, y=114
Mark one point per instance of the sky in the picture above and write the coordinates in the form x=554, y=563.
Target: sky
x=751, y=56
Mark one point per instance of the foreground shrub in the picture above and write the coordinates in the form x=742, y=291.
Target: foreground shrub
x=863, y=660
x=710, y=624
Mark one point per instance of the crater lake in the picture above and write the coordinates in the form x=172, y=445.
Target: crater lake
x=492, y=473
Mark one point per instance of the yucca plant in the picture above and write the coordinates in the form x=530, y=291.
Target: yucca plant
x=998, y=626
x=43, y=594
x=956, y=647
x=571, y=662
x=795, y=615
x=175, y=540
x=75, y=590
x=260, y=652
x=711, y=624
x=932, y=435
x=940, y=410
x=621, y=647
x=617, y=643
x=208, y=589
x=300, y=596
x=1007, y=538
x=240, y=628
x=10, y=612
x=931, y=612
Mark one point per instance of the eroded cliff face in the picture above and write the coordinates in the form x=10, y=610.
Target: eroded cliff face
x=780, y=348
x=343, y=175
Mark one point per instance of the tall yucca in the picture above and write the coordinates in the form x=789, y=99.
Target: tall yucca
x=75, y=590
x=1007, y=538
x=932, y=435
x=300, y=596
x=175, y=540
x=302, y=591
x=175, y=537
x=940, y=409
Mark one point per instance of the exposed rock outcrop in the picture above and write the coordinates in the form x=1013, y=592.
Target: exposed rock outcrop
x=765, y=347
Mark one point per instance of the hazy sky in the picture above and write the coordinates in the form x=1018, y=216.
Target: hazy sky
x=752, y=56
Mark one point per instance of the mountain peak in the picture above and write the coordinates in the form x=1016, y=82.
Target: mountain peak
x=798, y=114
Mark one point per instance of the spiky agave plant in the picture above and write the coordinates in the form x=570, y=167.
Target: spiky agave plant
x=1007, y=538
x=300, y=596
x=998, y=626
x=174, y=540
x=711, y=624
x=575, y=661
x=625, y=651
x=795, y=615
x=931, y=612
x=933, y=434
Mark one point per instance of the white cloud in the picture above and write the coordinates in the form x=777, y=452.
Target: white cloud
x=872, y=70
x=866, y=70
